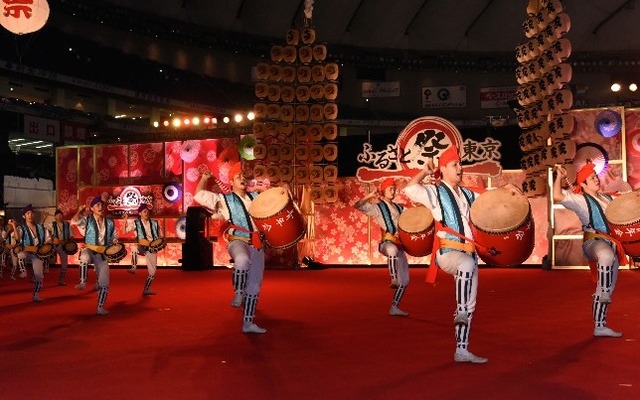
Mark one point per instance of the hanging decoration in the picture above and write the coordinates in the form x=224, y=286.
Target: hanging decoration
x=24, y=16
x=608, y=123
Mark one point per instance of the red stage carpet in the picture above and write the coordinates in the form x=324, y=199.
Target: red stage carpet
x=330, y=337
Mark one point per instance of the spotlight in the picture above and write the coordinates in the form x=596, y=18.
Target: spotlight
x=616, y=87
x=196, y=121
x=251, y=116
x=206, y=120
x=225, y=120
x=237, y=118
x=176, y=122
x=156, y=124
x=186, y=122
x=165, y=122
x=633, y=87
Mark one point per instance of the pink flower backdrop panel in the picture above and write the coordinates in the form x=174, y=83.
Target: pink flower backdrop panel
x=585, y=131
x=199, y=156
x=67, y=181
x=632, y=130
x=86, y=166
x=146, y=162
x=112, y=164
x=172, y=161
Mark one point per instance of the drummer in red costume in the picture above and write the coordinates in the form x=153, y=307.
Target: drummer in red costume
x=245, y=247
x=450, y=205
x=603, y=254
x=386, y=213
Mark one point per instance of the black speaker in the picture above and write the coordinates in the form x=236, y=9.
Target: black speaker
x=197, y=251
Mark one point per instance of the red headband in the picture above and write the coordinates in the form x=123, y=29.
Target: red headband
x=585, y=172
x=387, y=183
x=451, y=154
x=235, y=169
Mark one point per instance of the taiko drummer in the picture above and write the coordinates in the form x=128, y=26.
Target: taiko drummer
x=454, y=251
x=603, y=254
x=62, y=236
x=386, y=212
x=99, y=233
x=32, y=236
x=148, y=232
x=244, y=243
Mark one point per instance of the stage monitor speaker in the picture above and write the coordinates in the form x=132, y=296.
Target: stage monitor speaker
x=197, y=250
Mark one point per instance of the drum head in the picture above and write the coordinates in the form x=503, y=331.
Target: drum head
x=269, y=202
x=500, y=210
x=415, y=219
x=113, y=250
x=624, y=209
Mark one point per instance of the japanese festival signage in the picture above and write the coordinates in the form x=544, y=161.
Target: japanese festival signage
x=24, y=16
x=423, y=139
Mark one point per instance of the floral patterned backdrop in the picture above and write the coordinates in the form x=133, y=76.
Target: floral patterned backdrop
x=340, y=235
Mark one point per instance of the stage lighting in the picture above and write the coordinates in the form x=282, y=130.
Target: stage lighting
x=237, y=118
x=616, y=87
x=176, y=122
x=633, y=87
x=186, y=122
x=196, y=121
x=251, y=116
x=225, y=120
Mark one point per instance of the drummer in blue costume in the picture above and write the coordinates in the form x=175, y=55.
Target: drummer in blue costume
x=32, y=235
x=245, y=246
x=386, y=213
x=99, y=233
x=450, y=205
x=61, y=233
x=147, y=230
x=604, y=255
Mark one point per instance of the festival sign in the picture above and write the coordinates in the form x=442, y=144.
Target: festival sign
x=423, y=139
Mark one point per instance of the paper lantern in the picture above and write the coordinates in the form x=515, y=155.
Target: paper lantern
x=25, y=16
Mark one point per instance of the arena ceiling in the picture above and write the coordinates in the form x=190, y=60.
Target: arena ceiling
x=606, y=26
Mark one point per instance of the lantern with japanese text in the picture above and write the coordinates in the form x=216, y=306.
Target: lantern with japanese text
x=24, y=16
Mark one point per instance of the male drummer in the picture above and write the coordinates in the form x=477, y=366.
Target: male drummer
x=10, y=242
x=147, y=230
x=450, y=205
x=32, y=236
x=99, y=233
x=386, y=213
x=245, y=247
x=589, y=204
x=61, y=233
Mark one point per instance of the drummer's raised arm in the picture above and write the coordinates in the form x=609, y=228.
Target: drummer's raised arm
x=561, y=174
x=204, y=180
x=419, y=177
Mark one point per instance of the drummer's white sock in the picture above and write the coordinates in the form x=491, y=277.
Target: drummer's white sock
x=462, y=334
x=239, y=280
x=392, y=262
x=397, y=296
x=599, y=312
x=134, y=259
x=464, y=285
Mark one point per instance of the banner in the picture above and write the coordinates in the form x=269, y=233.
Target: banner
x=380, y=89
x=41, y=129
x=497, y=96
x=444, y=96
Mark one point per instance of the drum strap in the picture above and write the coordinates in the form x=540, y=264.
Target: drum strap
x=253, y=240
x=620, y=254
x=386, y=215
x=96, y=249
x=451, y=216
x=439, y=242
x=238, y=214
x=596, y=214
x=27, y=238
x=66, y=230
x=390, y=237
